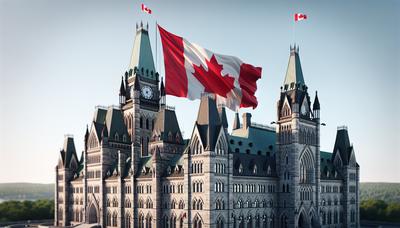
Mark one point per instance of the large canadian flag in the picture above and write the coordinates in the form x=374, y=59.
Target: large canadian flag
x=191, y=70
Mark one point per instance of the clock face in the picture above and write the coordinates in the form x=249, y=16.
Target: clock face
x=147, y=92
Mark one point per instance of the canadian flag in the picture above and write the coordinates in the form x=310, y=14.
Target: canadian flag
x=299, y=16
x=191, y=70
x=146, y=9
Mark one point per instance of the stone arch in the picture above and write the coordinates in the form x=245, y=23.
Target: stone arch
x=93, y=213
x=306, y=166
x=220, y=222
x=197, y=221
x=284, y=221
x=302, y=220
x=314, y=221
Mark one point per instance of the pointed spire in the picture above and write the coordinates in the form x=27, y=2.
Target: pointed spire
x=222, y=116
x=137, y=83
x=122, y=91
x=86, y=136
x=236, y=121
x=294, y=74
x=316, y=102
x=142, y=56
x=162, y=94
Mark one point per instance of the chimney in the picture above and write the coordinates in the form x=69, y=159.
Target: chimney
x=246, y=120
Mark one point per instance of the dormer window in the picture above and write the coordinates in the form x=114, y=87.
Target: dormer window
x=240, y=169
x=255, y=169
x=116, y=137
x=124, y=138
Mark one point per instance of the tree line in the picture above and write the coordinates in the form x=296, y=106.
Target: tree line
x=379, y=210
x=26, y=210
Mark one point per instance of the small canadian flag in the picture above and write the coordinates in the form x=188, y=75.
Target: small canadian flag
x=299, y=16
x=146, y=9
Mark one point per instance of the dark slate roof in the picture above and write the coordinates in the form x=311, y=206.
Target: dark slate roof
x=253, y=146
x=208, y=122
x=68, y=151
x=253, y=140
x=294, y=73
x=166, y=124
x=100, y=115
x=248, y=161
x=108, y=122
x=342, y=144
x=327, y=166
x=115, y=123
x=145, y=164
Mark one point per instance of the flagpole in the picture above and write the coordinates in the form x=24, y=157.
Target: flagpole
x=157, y=68
x=294, y=31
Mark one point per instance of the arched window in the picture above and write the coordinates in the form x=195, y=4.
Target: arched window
x=149, y=221
x=127, y=220
x=141, y=122
x=108, y=219
x=147, y=124
x=141, y=221
x=114, y=219
x=128, y=203
x=181, y=204
x=197, y=222
x=173, y=222
x=220, y=223
x=307, y=167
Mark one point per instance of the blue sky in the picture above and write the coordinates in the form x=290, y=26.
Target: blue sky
x=59, y=59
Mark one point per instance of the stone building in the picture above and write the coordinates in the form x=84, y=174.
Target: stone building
x=136, y=170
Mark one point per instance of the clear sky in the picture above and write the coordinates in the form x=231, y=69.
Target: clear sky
x=59, y=59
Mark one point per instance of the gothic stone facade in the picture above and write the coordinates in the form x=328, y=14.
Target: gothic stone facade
x=136, y=170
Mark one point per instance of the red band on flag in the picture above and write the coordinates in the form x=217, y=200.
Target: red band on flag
x=176, y=82
x=248, y=83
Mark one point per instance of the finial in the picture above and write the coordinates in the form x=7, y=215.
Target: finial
x=297, y=49
x=147, y=26
x=141, y=24
x=137, y=26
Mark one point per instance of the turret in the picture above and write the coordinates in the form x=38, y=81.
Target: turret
x=316, y=106
x=236, y=122
x=162, y=94
x=122, y=93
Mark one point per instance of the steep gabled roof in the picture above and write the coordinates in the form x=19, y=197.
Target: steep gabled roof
x=208, y=122
x=166, y=124
x=68, y=151
x=327, y=166
x=115, y=123
x=342, y=144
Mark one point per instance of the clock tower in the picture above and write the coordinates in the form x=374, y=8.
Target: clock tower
x=139, y=92
x=298, y=156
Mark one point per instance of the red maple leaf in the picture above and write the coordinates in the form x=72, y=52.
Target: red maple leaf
x=212, y=80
